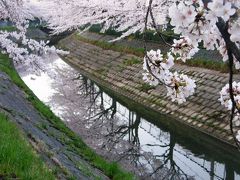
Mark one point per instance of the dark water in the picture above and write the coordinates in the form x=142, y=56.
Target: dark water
x=154, y=150
x=146, y=143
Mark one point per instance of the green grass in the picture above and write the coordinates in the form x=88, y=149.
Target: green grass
x=112, y=170
x=111, y=46
x=102, y=71
x=208, y=64
x=12, y=28
x=97, y=28
x=150, y=35
x=146, y=87
x=8, y=28
x=195, y=62
x=132, y=61
x=17, y=158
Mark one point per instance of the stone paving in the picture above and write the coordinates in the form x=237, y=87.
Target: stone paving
x=202, y=111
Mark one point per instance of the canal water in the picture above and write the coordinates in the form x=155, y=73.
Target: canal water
x=141, y=141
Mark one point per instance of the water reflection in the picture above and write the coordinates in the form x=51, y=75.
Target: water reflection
x=133, y=140
x=139, y=144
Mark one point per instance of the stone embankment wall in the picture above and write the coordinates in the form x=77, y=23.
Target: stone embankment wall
x=122, y=73
x=52, y=144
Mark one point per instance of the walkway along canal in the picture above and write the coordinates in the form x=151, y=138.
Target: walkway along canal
x=122, y=73
x=144, y=142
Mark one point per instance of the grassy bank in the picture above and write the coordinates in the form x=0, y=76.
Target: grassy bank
x=112, y=46
x=8, y=28
x=195, y=62
x=150, y=35
x=17, y=158
x=73, y=141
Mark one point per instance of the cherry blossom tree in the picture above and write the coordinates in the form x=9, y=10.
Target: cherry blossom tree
x=215, y=24
x=15, y=43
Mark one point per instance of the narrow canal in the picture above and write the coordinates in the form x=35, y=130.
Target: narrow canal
x=137, y=139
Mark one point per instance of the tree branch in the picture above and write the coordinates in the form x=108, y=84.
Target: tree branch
x=223, y=28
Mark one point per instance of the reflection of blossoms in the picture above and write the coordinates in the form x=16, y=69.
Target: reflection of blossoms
x=238, y=136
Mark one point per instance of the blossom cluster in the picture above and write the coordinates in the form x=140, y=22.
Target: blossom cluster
x=227, y=102
x=15, y=43
x=197, y=22
x=121, y=15
x=193, y=20
x=157, y=70
x=184, y=48
x=225, y=96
